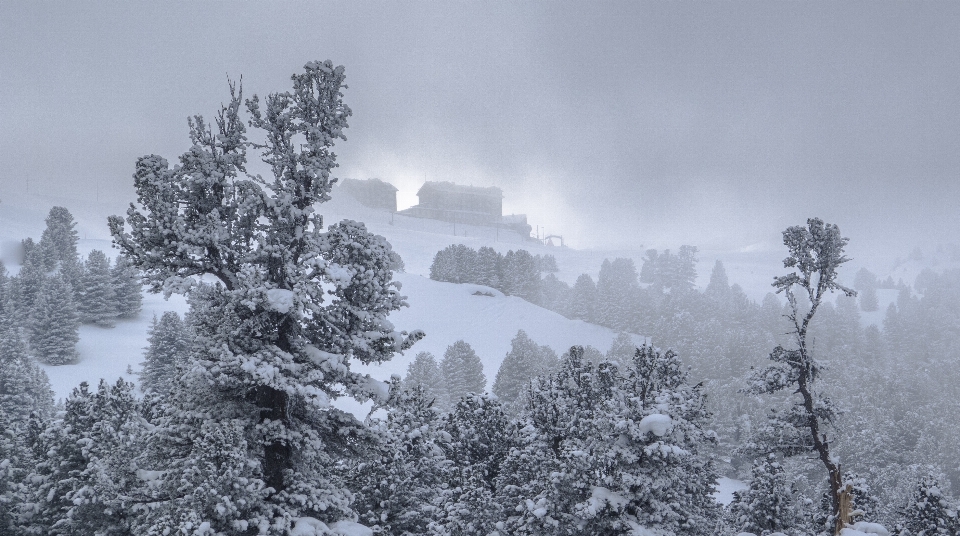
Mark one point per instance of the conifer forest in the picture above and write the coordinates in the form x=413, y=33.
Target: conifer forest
x=640, y=269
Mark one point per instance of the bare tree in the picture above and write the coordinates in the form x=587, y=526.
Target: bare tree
x=816, y=252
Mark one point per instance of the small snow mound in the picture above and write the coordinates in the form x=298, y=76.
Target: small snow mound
x=280, y=300
x=862, y=528
x=350, y=528
x=657, y=423
x=640, y=530
x=308, y=526
x=482, y=290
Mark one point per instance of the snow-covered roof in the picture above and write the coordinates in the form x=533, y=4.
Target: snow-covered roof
x=449, y=187
x=368, y=183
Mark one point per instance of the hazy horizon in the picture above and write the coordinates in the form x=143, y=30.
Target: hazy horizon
x=617, y=125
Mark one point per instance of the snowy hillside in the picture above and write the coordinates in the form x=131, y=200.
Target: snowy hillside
x=446, y=312
x=449, y=312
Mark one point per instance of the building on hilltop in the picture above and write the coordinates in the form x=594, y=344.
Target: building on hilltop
x=373, y=193
x=518, y=223
x=456, y=203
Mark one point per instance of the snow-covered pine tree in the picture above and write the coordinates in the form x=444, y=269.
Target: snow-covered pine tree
x=462, y=373
x=455, y=263
x=718, y=288
x=99, y=304
x=293, y=303
x=443, y=266
x=555, y=295
x=584, y=300
x=168, y=344
x=26, y=285
x=400, y=487
x=488, y=261
x=616, y=293
x=87, y=482
x=425, y=372
x=511, y=279
x=816, y=252
x=480, y=437
x=526, y=272
x=59, y=240
x=127, y=289
x=466, y=262
x=521, y=364
x=767, y=505
x=657, y=397
x=54, y=323
x=24, y=387
x=25, y=395
x=549, y=470
x=930, y=512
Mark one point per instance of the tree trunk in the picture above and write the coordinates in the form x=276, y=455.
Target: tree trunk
x=276, y=453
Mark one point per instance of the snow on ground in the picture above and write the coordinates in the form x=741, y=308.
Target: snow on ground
x=445, y=311
x=107, y=352
x=448, y=312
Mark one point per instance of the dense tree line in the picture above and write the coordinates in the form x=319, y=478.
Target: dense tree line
x=516, y=273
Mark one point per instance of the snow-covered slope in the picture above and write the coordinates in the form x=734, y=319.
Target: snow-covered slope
x=448, y=312
x=445, y=311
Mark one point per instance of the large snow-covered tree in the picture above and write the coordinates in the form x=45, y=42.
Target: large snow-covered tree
x=816, y=251
x=293, y=303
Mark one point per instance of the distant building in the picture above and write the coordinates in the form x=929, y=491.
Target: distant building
x=518, y=223
x=373, y=193
x=451, y=202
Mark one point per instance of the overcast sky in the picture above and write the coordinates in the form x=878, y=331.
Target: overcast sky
x=613, y=123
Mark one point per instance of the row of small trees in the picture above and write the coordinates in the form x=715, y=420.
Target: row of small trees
x=516, y=273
